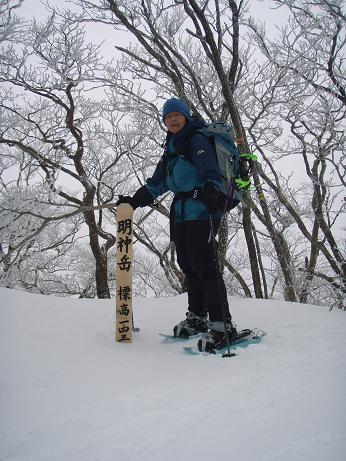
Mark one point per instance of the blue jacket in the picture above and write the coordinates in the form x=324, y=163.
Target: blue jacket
x=183, y=173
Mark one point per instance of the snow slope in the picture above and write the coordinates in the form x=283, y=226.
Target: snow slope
x=69, y=392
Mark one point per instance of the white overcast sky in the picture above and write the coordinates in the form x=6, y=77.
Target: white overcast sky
x=263, y=10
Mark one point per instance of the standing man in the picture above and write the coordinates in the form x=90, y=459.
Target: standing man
x=190, y=170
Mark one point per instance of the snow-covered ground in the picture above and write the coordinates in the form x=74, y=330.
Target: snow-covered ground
x=69, y=392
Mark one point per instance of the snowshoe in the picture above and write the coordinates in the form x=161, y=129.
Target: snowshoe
x=242, y=339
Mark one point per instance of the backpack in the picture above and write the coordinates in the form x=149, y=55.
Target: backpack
x=221, y=137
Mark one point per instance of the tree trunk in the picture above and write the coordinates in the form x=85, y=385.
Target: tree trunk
x=100, y=255
x=222, y=242
x=310, y=264
x=279, y=242
x=260, y=263
x=101, y=276
x=247, y=225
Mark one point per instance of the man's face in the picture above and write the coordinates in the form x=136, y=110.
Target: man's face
x=175, y=122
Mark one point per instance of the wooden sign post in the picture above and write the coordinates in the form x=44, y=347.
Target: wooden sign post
x=124, y=262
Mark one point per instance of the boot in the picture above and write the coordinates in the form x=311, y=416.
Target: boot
x=192, y=325
x=216, y=338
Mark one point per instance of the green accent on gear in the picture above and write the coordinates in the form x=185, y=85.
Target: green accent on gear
x=249, y=157
x=243, y=185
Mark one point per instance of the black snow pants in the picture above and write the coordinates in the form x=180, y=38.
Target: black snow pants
x=195, y=255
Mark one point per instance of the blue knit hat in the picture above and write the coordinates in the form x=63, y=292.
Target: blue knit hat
x=175, y=105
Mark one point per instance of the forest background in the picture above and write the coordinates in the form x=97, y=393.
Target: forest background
x=82, y=86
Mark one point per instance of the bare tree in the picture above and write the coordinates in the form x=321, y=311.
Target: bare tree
x=64, y=114
x=51, y=122
x=188, y=50
x=10, y=24
x=305, y=103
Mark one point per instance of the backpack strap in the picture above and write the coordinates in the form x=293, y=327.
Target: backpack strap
x=194, y=131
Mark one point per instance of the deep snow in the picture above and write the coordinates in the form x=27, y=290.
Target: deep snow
x=69, y=392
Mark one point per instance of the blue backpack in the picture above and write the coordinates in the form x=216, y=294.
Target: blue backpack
x=221, y=137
